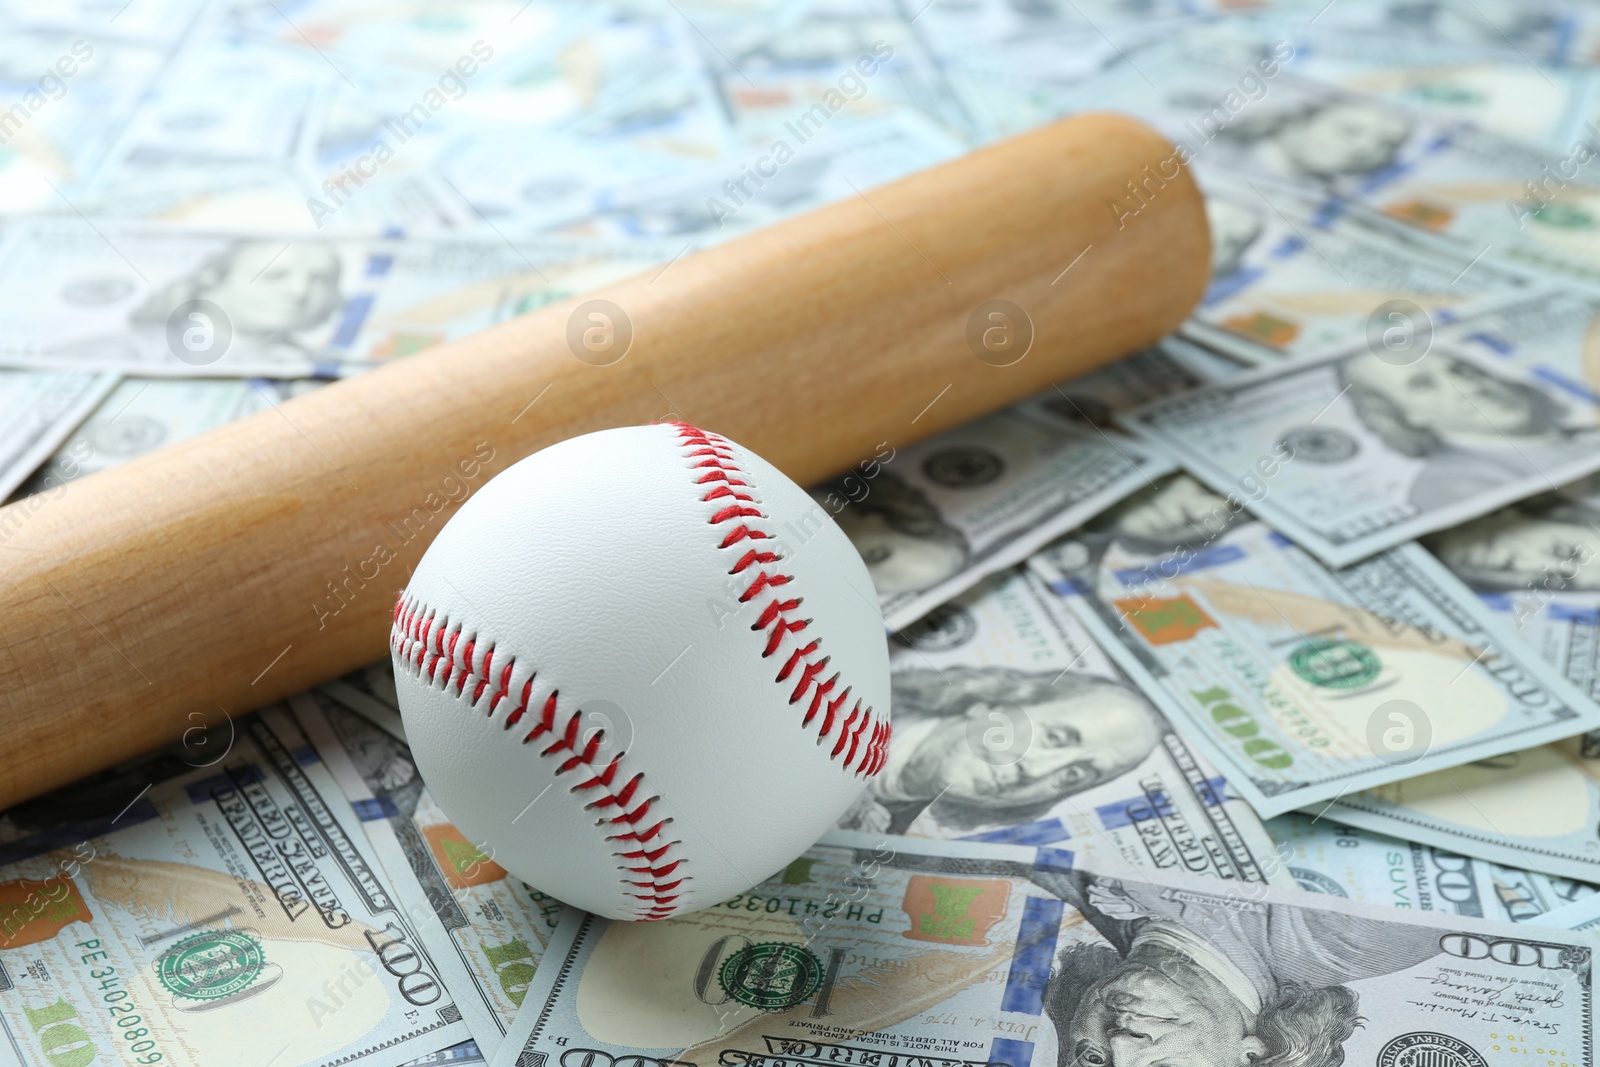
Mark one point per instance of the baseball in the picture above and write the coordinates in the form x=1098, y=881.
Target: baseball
x=643, y=670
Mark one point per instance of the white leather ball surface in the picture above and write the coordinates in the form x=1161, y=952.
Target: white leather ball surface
x=643, y=670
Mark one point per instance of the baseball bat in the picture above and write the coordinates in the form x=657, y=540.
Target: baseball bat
x=226, y=571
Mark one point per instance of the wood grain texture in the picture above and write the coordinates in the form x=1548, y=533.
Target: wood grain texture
x=265, y=556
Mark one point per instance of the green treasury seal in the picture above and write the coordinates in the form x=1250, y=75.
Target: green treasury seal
x=1335, y=664
x=211, y=965
x=772, y=976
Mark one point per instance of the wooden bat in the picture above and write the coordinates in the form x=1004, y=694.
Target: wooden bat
x=226, y=571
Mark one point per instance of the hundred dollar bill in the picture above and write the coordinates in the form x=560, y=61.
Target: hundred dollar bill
x=717, y=201
x=590, y=102
x=38, y=410
x=884, y=950
x=1552, y=331
x=1537, y=809
x=157, y=300
x=1357, y=451
x=1290, y=275
x=143, y=414
x=494, y=925
x=216, y=195
x=1543, y=32
x=1583, y=915
x=1303, y=683
x=66, y=142
x=1232, y=105
x=216, y=902
x=558, y=178
x=252, y=98
x=869, y=59
x=1328, y=857
x=1015, y=63
x=1534, y=566
x=1499, y=92
x=1477, y=194
x=934, y=518
x=242, y=131
x=1012, y=725
x=370, y=693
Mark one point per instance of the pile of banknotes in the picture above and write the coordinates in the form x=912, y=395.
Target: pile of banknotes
x=1244, y=691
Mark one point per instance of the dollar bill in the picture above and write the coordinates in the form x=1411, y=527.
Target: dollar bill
x=1536, y=809
x=1012, y=725
x=1582, y=915
x=66, y=144
x=219, y=196
x=252, y=98
x=1303, y=683
x=1479, y=192
x=560, y=180
x=1536, y=565
x=1542, y=32
x=370, y=693
x=1328, y=857
x=777, y=70
x=1531, y=565
x=232, y=132
x=1494, y=89
x=216, y=897
x=1230, y=103
x=491, y=924
x=566, y=105
x=143, y=414
x=39, y=410
x=1481, y=196
x=876, y=950
x=1021, y=65
x=1292, y=275
x=933, y=518
x=704, y=205
x=1357, y=451
x=157, y=300
x=1551, y=331
x=228, y=119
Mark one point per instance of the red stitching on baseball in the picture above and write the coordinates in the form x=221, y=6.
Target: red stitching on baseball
x=739, y=534
x=418, y=639
x=713, y=456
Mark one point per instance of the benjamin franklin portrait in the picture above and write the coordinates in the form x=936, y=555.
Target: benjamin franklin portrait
x=1549, y=542
x=1170, y=519
x=1081, y=731
x=269, y=290
x=1214, y=981
x=1323, y=143
x=273, y=293
x=1473, y=428
x=906, y=543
